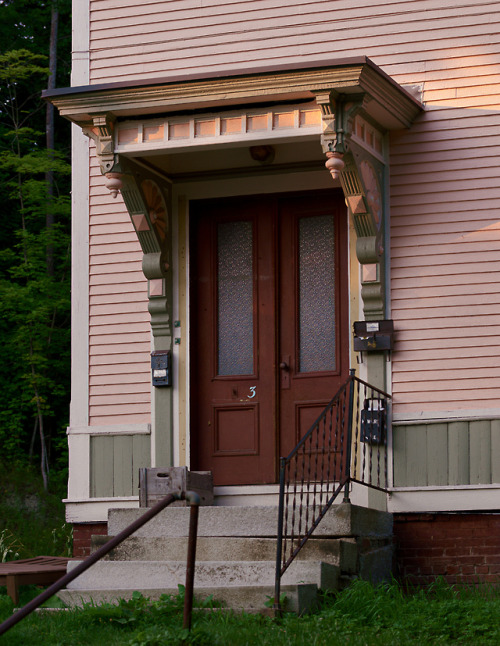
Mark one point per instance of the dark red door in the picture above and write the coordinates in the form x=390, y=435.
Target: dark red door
x=269, y=341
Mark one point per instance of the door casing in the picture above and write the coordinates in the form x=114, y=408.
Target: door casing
x=240, y=424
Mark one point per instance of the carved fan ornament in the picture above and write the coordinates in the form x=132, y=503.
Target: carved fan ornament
x=157, y=209
x=373, y=194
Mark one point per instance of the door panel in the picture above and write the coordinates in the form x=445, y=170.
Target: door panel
x=269, y=313
x=233, y=390
x=313, y=312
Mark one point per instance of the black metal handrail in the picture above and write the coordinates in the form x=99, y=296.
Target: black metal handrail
x=347, y=443
x=190, y=496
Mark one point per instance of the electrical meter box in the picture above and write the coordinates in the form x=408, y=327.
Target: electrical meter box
x=161, y=368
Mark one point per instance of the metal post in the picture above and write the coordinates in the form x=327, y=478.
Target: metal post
x=194, y=500
x=349, y=437
x=279, y=547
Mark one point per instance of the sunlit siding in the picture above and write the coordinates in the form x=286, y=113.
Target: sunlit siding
x=445, y=252
x=146, y=39
x=445, y=232
x=119, y=328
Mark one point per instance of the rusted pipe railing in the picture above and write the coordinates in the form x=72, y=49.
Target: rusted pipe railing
x=194, y=501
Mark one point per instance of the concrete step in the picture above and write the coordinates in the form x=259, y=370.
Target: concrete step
x=136, y=575
x=340, y=521
x=236, y=555
x=298, y=598
x=342, y=552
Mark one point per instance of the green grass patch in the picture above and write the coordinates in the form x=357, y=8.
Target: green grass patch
x=31, y=519
x=361, y=615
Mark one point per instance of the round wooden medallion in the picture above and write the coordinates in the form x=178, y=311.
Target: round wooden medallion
x=373, y=193
x=157, y=208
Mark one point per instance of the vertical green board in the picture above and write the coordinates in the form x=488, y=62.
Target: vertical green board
x=480, y=452
x=458, y=453
x=101, y=466
x=495, y=451
x=437, y=454
x=399, y=456
x=416, y=455
x=141, y=452
x=122, y=465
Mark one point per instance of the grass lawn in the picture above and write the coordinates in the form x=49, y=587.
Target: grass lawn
x=359, y=615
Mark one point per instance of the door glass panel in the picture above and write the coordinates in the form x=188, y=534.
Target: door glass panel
x=235, y=298
x=316, y=294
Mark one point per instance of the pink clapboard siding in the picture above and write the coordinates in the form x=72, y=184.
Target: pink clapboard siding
x=445, y=243
x=119, y=338
x=444, y=189
x=151, y=38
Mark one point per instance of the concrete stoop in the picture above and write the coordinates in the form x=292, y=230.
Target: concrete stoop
x=235, y=557
x=250, y=599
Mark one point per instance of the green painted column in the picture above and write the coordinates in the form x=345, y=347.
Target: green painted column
x=148, y=204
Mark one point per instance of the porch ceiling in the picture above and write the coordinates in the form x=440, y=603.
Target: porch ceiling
x=193, y=164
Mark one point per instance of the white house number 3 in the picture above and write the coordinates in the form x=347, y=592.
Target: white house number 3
x=252, y=390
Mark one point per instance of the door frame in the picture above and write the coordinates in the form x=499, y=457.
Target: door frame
x=342, y=258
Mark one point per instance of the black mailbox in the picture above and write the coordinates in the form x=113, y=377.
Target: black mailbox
x=373, y=336
x=161, y=370
x=373, y=421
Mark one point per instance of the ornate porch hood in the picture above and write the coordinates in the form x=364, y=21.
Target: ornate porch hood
x=359, y=103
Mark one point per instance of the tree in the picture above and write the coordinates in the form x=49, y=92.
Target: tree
x=34, y=242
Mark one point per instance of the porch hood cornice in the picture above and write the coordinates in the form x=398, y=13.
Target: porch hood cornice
x=389, y=104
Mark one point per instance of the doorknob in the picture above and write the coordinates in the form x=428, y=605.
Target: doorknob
x=284, y=366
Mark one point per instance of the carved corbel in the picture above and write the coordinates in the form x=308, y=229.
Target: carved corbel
x=102, y=132
x=337, y=115
x=362, y=189
x=358, y=174
x=146, y=202
x=326, y=103
x=155, y=268
x=147, y=207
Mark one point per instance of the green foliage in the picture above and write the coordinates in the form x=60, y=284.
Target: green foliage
x=359, y=616
x=34, y=245
x=8, y=546
x=440, y=614
x=269, y=603
x=25, y=24
x=140, y=611
x=31, y=520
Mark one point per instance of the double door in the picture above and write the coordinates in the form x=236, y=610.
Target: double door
x=269, y=327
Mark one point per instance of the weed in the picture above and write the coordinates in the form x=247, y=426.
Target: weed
x=31, y=520
x=62, y=537
x=269, y=603
x=8, y=546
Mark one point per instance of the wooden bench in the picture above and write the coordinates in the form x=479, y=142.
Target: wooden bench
x=42, y=570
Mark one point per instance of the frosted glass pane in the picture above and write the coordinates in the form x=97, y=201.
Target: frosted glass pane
x=235, y=298
x=317, y=293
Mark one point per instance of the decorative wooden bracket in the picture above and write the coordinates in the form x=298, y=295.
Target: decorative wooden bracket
x=361, y=176
x=147, y=204
x=101, y=131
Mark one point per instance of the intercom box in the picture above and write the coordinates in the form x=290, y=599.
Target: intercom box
x=161, y=368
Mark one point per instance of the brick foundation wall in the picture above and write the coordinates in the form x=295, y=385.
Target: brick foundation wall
x=82, y=533
x=462, y=548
